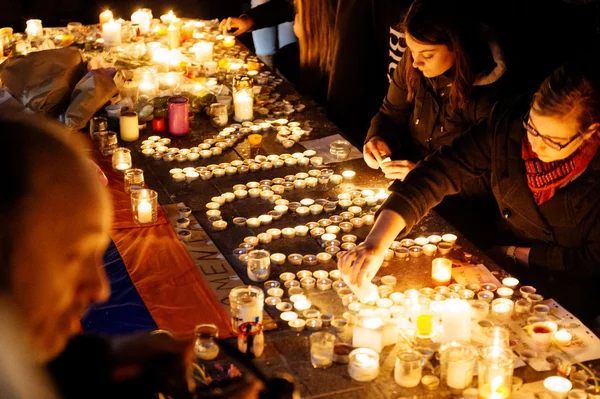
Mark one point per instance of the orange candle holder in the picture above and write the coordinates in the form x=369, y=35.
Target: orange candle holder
x=441, y=271
x=255, y=140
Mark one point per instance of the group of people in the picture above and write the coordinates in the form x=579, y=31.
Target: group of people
x=450, y=123
x=519, y=165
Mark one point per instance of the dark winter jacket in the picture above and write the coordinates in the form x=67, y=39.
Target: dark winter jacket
x=563, y=233
x=414, y=129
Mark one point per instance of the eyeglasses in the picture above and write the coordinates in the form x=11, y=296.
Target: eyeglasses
x=549, y=142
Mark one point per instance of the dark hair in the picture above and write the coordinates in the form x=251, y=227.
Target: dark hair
x=573, y=87
x=441, y=22
x=319, y=44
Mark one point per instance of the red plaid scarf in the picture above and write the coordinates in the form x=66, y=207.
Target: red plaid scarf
x=543, y=178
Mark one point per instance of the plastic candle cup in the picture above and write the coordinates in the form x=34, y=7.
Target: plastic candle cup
x=505, y=292
x=563, y=338
x=510, y=282
x=348, y=174
x=363, y=364
x=324, y=284
x=320, y=274
x=228, y=41
x=541, y=333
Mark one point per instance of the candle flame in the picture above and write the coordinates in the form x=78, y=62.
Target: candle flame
x=496, y=383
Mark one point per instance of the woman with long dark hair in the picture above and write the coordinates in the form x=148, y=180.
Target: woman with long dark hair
x=542, y=158
x=447, y=81
x=343, y=52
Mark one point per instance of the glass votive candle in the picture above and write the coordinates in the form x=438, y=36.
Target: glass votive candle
x=363, y=364
x=144, y=205
x=205, y=345
x=324, y=284
x=408, y=369
x=134, y=178
x=121, y=159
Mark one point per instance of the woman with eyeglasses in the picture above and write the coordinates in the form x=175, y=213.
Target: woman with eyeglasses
x=541, y=156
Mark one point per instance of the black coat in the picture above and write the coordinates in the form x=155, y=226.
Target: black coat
x=563, y=233
x=414, y=129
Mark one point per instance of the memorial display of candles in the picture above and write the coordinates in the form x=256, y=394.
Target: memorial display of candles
x=321, y=211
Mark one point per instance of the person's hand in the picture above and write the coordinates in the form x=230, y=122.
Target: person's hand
x=375, y=151
x=361, y=263
x=397, y=169
x=243, y=24
x=161, y=361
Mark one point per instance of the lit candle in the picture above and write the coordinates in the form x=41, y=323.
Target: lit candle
x=168, y=18
x=111, y=33
x=363, y=364
x=563, y=338
x=228, y=41
x=173, y=37
x=34, y=28
x=203, y=51
x=559, y=387
x=243, y=102
x=105, y=16
x=510, y=282
x=368, y=333
x=142, y=18
x=456, y=321
x=441, y=271
x=144, y=210
x=382, y=195
x=494, y=391
x=348, y=174
x=502, y=308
